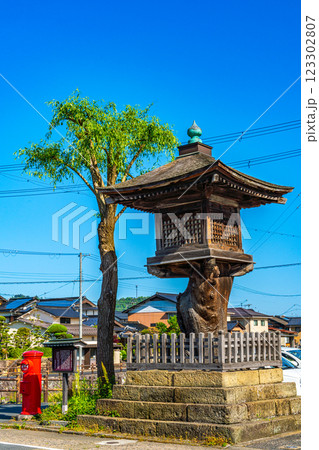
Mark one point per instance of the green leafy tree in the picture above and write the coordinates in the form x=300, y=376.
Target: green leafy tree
x=125, y=302
x=161, y=328
x=38, y=336
x=173, y=326
x=57, y=331
x=5, y=338
x=101, y=146
x=22, y=338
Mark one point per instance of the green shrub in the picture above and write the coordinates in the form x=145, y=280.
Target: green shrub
x=15, y=353
x=47, y=352
x=58, y=331
x=123, y=353
x=22, y=338
x=83, y=400
x=57, y=328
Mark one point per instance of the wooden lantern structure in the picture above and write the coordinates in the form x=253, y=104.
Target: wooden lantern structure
x=197, y=201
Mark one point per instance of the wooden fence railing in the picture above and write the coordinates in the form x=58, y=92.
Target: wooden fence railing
x=51, y=382
x=10, y=387
x=223, y=352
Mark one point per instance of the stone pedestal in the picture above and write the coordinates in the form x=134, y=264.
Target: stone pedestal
x=238, y=406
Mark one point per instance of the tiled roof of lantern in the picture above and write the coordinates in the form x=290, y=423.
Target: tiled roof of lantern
x=191, y=172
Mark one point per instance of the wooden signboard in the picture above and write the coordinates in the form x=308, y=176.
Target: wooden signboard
x=64, y=359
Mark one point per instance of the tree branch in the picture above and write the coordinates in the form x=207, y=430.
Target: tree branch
x=120, y=213
x=82, y=178
x=137, y=154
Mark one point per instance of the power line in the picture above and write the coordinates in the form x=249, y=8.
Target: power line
x=266, y=159
x=284, y=126
x=80, y=188
x=46, y=281
x=63, y=281
x=277, y=266
x=276, y=220
x=291, y=307
x=14, y=252
x=273, y=232
x=253, y=291
x=268, y=237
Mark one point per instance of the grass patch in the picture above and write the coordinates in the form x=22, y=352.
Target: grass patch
x=83, y=400
x=217, y=441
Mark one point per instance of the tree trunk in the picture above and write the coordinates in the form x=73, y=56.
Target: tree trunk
x=107, y=300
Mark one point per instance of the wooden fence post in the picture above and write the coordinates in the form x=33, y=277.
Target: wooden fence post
x=182, y=348
x=253, y=348
x=155, y=348
x=173, y=348
x=229, y=347
x=191, y=348
x=235, y=347
x=164, y=349
x=138, y=348
x=129, y=350
x=210, y=347
x=18, y=395
x=278, y=347
x=147, y=348
x=221, y=348
x=46, y=387
x=246, y=341
x=201, y=348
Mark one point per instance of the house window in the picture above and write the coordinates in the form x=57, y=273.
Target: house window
x=262, y=323
x=65, y=320
x=153, y=324
x=255, y=322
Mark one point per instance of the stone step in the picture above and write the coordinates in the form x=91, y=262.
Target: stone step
x=216, y=395
x=201, y=378
x=189, y=430
x=203, y=413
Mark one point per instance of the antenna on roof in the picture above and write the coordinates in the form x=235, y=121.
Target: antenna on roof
x=247, y=304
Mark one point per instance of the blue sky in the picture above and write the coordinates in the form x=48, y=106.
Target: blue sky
x=222, y=64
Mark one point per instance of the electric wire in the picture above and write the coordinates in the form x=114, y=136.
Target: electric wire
x=252, y=248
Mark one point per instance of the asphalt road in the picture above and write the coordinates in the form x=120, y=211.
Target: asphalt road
x=12, y=439
x=9, y=410
x=28, y=440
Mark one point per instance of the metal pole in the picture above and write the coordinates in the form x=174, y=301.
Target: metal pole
x=65, y=377
x=81, y=313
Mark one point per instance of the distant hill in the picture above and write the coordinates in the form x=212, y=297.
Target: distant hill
x=125, y=302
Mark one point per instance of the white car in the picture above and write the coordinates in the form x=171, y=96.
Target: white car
x=293, y=350
x=291, y=356
x=291, y=373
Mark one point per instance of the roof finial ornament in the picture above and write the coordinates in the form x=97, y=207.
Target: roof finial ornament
x=194, y=132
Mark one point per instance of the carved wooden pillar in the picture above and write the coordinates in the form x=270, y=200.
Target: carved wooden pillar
x=203, y=306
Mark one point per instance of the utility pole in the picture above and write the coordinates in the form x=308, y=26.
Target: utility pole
x=136, y=290
x=81, y=311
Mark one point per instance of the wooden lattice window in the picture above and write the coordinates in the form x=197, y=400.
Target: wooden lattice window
x=223, y=232
x=181, y=230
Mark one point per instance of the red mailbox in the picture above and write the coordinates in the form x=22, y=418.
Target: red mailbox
x=30, y=387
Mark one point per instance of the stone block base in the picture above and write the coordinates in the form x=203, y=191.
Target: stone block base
x=209, y=413
x=197, y=378
x=240, y=432
x=238, y=406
